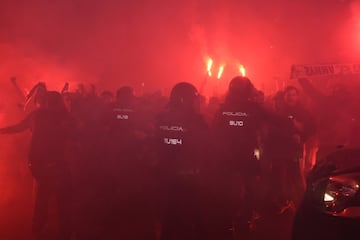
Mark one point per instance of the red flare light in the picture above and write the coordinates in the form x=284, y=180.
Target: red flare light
x=209, y=66
x=242, y=70
x=221, y=70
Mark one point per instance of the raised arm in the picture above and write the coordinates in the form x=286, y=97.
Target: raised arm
x=20, y=127
x=310, y=89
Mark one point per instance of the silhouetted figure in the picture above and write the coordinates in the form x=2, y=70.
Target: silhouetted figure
x=236, y=127
x=181, y=141
x=284, y=148
x=50, y=126
x=337, y=114
x=128, y=214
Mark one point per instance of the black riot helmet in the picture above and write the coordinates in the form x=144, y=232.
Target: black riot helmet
x=240, y=88
x=125, y=95
x=183, y=96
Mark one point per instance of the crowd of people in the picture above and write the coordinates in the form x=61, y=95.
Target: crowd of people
x=123, y=166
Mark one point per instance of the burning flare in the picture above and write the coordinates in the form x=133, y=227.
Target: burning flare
x=242, y=70
x=209, y=66
x=221, y=70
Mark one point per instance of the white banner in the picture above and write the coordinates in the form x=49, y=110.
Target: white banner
x=309, y=70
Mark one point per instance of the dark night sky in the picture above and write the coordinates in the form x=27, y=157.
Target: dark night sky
x=160, y=42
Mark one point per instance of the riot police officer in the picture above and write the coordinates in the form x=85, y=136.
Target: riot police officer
x=126, y=204
x=181, y=148
x=236, y=127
